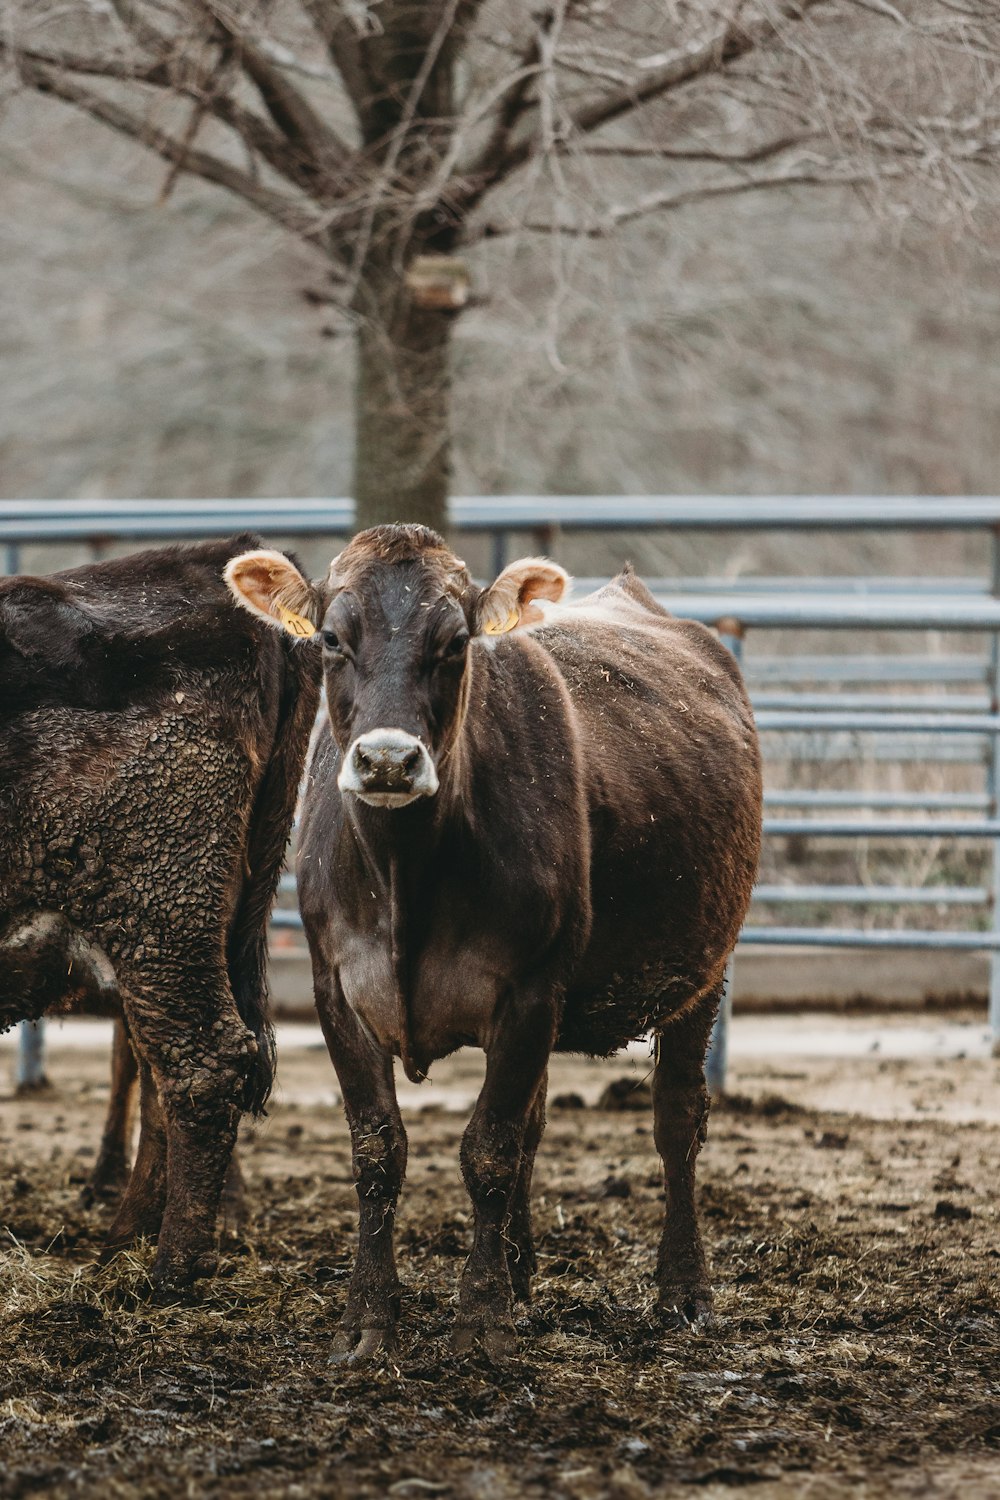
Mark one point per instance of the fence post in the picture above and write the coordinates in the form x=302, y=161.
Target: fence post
x=499, y=552
x=993, y=786
x=731, y=635
x=31, y=1055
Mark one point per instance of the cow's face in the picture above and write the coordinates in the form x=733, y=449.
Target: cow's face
x=395, y=616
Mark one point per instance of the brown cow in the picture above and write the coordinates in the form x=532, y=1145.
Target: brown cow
x=151, y=741
x=517, y=839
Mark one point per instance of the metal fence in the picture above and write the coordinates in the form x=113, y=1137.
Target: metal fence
x=923, y=726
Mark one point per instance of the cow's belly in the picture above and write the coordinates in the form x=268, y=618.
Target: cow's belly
x=602, y=1017
x=653, y=952
x=46, y=962
x=451, y=1001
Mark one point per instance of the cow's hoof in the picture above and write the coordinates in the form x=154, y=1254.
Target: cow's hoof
x=685, y=1307
x=497, y=1343
x=362, y=1346
x=170, y=1277
x=104, y=1187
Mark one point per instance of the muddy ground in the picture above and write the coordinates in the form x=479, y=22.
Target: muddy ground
x=856, y=1348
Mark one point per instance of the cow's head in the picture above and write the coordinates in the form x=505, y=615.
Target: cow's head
x=395, y=615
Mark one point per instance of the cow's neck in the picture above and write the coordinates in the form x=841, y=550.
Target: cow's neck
x=399, y=851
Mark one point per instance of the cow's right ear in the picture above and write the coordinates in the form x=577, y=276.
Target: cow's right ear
x=509, y=600
x=269, y=585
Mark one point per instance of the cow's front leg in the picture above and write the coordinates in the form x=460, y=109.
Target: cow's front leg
x=378, y=1145
x=492, y=1157
x=522, y=1262
x=680, y=1125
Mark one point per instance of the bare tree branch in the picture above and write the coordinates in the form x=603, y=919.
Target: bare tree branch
x=651, y=152
x=345, y=49
x=198, y=112
x=664, y=202
x=511, y=104
x=147, y=35
x=285, y=211
x=288, y=107
x=201, y=86
x=659, y=75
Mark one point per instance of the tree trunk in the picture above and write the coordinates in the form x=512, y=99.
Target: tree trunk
x=402, y=455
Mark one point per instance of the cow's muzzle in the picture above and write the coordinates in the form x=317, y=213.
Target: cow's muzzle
x=388, y=768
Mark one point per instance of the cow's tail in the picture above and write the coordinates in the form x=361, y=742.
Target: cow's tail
x=270, y=827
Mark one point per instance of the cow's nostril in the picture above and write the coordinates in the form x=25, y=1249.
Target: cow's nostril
x=389, y=768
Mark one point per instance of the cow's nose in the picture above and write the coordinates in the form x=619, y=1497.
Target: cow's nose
x=389, y=762
x=388, y=767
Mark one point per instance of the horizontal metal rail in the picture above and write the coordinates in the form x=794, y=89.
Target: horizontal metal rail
x=923, y=801
x=874, y=895
x=854, y=668
x=820, y=937
x=840, y=611
x=884, y=828
x=790, y=583
x=955, y=703
x=836, y=937
x=930, y=895
x=937, y=749
x=283, y=918
x=941, y=723
x=31, y=520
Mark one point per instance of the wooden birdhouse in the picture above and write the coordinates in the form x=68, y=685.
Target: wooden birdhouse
x=438, y=281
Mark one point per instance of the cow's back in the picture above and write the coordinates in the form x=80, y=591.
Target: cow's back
x=673, y=785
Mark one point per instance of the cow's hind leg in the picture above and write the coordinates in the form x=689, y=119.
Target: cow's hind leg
x=378, y=1145
x=235, y=1202
x=522, y=1262
x=200, y=1055
x=680, y=1124
x=111, y=1170
x=140, y=1211
x=492, y=1155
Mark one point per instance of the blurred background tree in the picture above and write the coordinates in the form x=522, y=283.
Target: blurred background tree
x=400, y=142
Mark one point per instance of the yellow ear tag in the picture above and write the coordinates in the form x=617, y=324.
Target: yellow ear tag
x=295, y=624
x=507, y=625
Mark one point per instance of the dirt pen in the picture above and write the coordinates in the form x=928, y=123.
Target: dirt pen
x=848, y=1193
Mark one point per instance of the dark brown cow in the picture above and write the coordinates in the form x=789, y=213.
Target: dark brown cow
x=151, y=739
x=516, y=839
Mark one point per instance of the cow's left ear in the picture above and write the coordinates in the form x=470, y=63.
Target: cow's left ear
x=270, y=586
x=507, y=603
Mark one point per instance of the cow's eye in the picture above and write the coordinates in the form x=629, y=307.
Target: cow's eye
x=331, y=640
x=455, y=648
